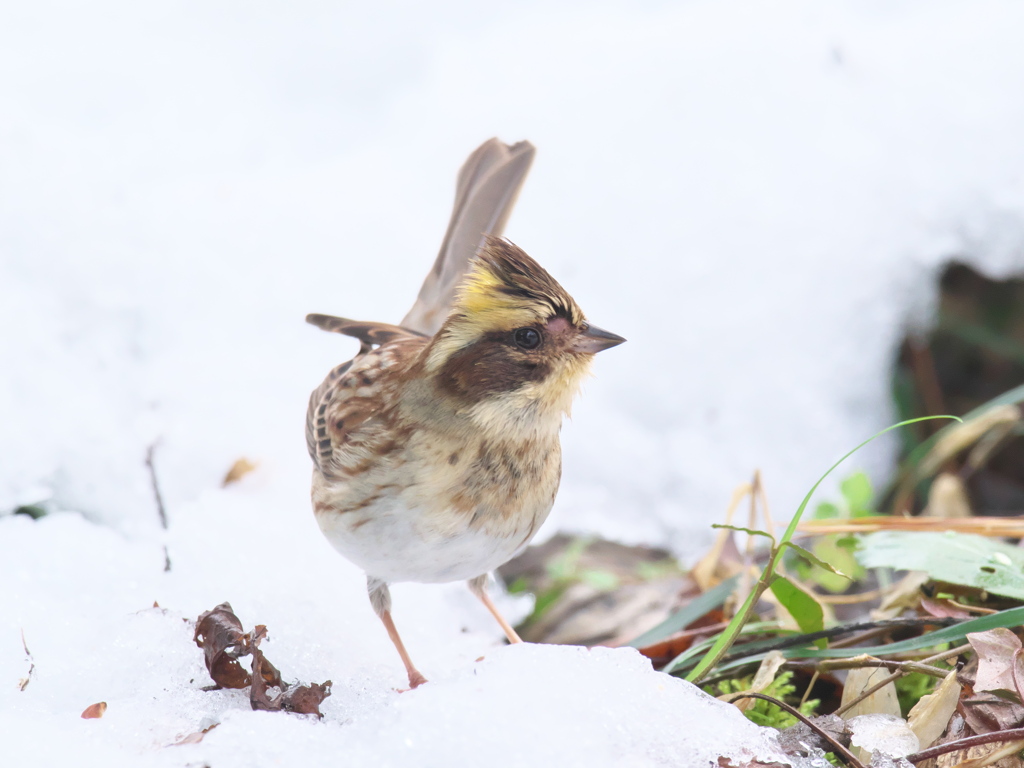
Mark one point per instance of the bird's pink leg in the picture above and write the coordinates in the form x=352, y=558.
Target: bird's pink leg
x=479, y=588
x=415, y=678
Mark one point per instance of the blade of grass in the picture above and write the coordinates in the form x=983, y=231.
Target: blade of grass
x=754, y=627
x=726, y=639
x=1011, y=619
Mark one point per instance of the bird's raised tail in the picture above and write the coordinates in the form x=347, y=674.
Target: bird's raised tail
x=487, y=187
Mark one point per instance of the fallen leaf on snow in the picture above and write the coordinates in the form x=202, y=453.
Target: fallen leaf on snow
x=94, y=711
x=194, y=738
x=302, y=699
x=219, y=633
x=238, y=470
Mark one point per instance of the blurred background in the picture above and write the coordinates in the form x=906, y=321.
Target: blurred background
x=762, y=199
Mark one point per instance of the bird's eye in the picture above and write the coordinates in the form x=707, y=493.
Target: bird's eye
x=527, y=338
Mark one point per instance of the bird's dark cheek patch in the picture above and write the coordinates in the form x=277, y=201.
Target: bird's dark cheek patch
x=489, y=367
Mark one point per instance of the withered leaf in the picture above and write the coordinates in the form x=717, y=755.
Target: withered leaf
x=944, y=608
x=998, y=660
x=194, y=738
x=302, y=699
x=94, y=711
x=219, y=633
x=238, y=470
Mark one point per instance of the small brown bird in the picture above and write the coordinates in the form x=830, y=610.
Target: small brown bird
x=436, y=451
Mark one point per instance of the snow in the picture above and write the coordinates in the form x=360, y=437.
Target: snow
x=757, y=197
x=93, y=637
x=887, y=734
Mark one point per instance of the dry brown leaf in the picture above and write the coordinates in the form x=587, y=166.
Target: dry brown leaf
x=944, y=608
x=219, y=633
x=959, y=437
x=947, y=497
x=906, y=593
x=94, y=711
x=723, y=559
x=881, y=702
x=999, y=660
x=930, y=716
x=238, y=470
x=302, y=699
x=194, y=738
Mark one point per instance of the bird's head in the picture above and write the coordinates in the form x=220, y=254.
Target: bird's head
x=515, y=339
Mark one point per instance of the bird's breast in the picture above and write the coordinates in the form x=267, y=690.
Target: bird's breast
x=440, y=510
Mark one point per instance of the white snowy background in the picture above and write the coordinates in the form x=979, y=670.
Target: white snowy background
x=758, y=196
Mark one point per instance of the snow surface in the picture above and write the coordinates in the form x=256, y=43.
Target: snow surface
x=756, y=196
x=81, y=591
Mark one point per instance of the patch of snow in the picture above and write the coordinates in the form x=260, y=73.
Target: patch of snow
x=887, y=734
x=81, y=592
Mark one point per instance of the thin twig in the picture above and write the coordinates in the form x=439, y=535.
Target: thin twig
x=810, y=685
x=23, y=683
x=836, y=746
x=1012, y=734
x=906, y=666
x=900, y=673
x=160, y=508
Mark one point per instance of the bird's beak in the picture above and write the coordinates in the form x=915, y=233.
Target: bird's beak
x=593, y=339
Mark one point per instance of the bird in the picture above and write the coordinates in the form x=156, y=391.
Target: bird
x=436, y=451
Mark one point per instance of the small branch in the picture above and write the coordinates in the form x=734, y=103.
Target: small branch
x=905, y=666
x=810, y=687
x=23, y=683
x=160, y=508
x=1012, y=734
x=836, y=746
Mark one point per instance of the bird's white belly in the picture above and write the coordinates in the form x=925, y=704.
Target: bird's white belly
x=394, y=543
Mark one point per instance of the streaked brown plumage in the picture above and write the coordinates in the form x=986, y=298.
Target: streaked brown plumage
x=436, y=451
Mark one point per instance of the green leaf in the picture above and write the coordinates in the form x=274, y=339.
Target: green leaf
x=815, y=559
x=856, y=489
x=689, y=613
x=839, y=553
x=682, y=661
x=955, y=558
x=825, y=511
x=802, y=606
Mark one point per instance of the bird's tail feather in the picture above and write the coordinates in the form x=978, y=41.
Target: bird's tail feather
x=488, y=185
